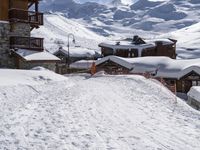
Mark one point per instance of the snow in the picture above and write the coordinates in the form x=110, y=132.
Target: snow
x=1, y=21
x=79, y=52
x=195, y=93
x=57, y=28
x=188, y=41
x=95, y=113
x=91, y=22
x=82, y=64
x=29, y=55
x=9, y=77
x=166, y=67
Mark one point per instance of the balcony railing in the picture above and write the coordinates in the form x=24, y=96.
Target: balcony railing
x=31, y=17
x=29, y=43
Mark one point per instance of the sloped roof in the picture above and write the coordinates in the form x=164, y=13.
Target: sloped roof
x=77, y=52
x=82, y=64
x=164, y=66
x=29, y=55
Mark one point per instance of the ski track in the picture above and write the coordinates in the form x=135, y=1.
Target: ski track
x=83, y=113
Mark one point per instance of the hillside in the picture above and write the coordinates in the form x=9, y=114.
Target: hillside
x=56, y=30
x=95, y=113
x=159, y=16
x=188, y=45
x=93, y=23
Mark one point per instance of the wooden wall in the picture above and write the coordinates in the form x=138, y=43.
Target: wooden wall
x=112, y=68
x=166, y=50
x=4, y=6
x=20, y=4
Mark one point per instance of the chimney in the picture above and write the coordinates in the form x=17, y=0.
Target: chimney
x=117, y=43
x=159, y=43
x=135, y=38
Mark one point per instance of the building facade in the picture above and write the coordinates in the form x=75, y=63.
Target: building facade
x=17, y=19
x=180, y=74
x=137, y=47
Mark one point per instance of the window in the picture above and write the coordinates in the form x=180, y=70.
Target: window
x=194, y=83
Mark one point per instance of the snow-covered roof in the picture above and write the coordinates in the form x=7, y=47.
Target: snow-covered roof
x=163, y=41
x=2, y=21
x=115, y=59
x=129, y=45
x=82, y=64
x=29, y=55
x=165, y=66
x=78, y=52
x=125, y=45
x=195, y=93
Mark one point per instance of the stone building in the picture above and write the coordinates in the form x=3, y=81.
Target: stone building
x=17, y=48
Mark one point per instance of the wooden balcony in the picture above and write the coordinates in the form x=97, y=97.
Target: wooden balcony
x=30, y=43
x=35, y=19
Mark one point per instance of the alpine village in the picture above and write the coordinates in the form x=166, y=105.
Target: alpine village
x=109, y=74
x=20, y=50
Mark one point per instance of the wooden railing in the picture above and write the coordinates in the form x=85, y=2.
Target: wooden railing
x=29, y=43
x=31, y=17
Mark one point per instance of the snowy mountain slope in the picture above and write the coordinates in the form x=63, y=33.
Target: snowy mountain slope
x=96, y=113
x=188, y=45
x=93, y=23
x=56, y=30
x=160, y=16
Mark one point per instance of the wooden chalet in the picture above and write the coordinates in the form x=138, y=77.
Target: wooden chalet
x=76, y=54
x=138, y=47
x=180, y=74
x=22, y=16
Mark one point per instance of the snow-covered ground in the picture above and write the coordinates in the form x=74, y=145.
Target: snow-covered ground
x=188, y=45
x=102, y=112
x=56, y=31
x=38, y=75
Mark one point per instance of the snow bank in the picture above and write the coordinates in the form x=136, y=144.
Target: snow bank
x=195, y=93
x=104, y=112
x=9, y=77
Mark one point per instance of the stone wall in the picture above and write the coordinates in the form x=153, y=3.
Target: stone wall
x=30, y=65
x=20, y=29
x=5, y=60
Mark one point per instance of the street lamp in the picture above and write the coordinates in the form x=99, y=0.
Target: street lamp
x=68, y=57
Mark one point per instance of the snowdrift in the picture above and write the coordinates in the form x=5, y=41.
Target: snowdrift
x=102, y=112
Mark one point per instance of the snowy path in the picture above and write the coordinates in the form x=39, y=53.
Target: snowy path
x=99, y=113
